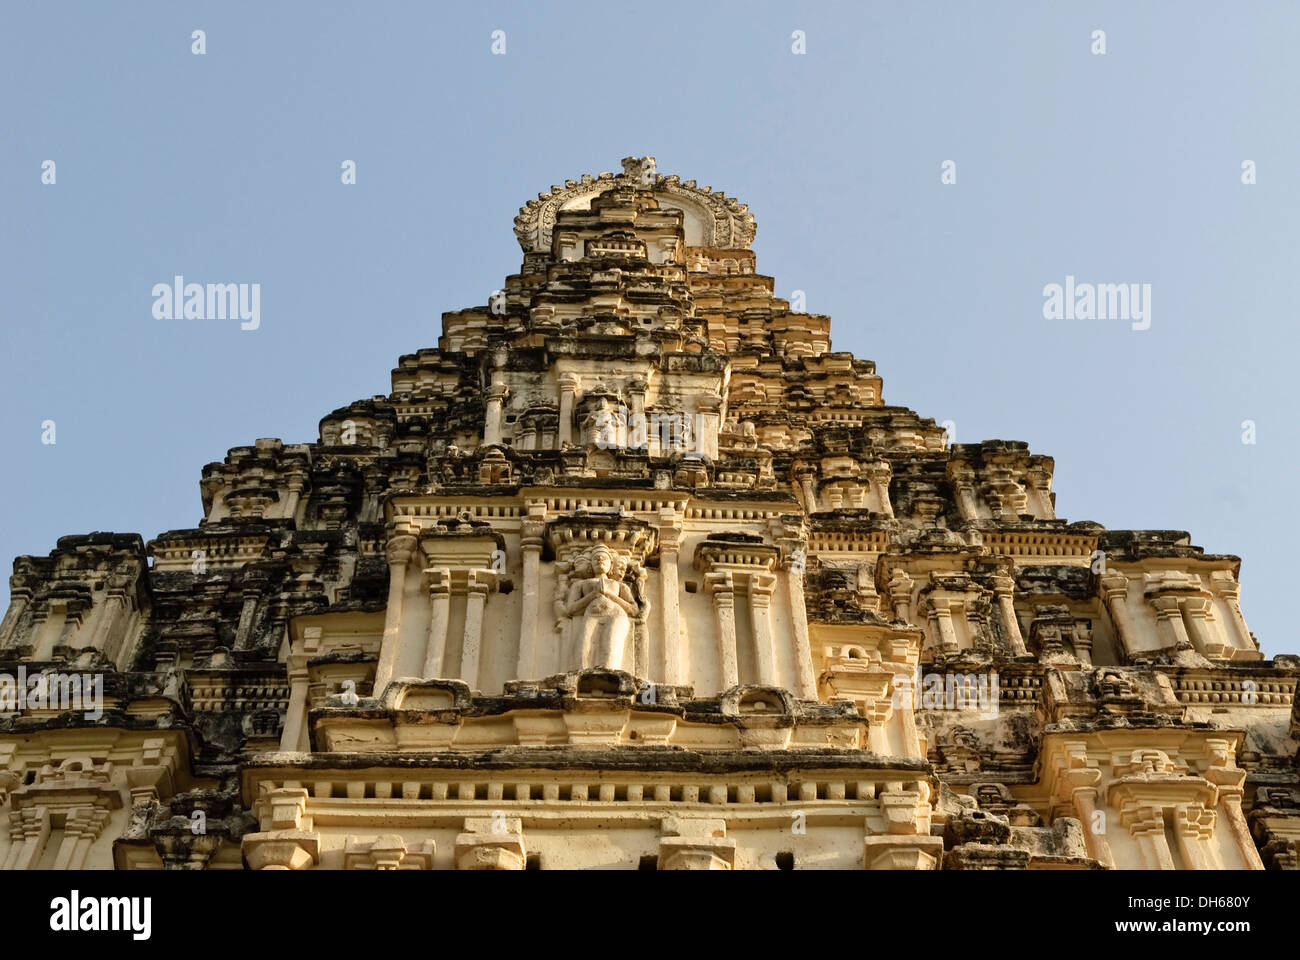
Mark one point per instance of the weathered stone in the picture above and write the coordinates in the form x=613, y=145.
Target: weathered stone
x=632, y=570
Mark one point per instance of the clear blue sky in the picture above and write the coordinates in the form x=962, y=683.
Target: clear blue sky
x=226, y=168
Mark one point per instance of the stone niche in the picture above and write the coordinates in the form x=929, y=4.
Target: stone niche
x=602, y=600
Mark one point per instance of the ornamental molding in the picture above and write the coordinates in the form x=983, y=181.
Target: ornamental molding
x=733, y=224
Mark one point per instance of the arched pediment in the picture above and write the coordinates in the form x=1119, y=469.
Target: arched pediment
x=710, y=219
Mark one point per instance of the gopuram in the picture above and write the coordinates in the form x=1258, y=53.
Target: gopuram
x=633, y=571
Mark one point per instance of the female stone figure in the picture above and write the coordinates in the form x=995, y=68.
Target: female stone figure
x=606, y=606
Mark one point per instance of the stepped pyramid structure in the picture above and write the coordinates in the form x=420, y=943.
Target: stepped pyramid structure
x=634, y=571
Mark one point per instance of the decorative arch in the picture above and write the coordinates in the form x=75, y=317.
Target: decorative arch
x=711, y=219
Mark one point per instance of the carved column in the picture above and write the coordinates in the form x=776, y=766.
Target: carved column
x=807, y=477
x=878, y=473
x=695, y=844
x=19, y=597
x=435, y=649
x=945, y=633
x=496, y=844
x=908, y=691
x=794, y=564
x=1083, y=642
x=29, y=829
x=900, y=595
x=251, y=592
x=1147, y=825
x=564, y=643
x=530, y=547
x=400, y=550
x=672, y=670
x=1229, y=781
x=1169, y=621
x=294, y=735
x=962, y=478
x=80, y=830
x=496, y=396
x=1040, y=482
x=1082, y=781
x=1202, y=634
x=1005, y=590
x=297, y=482
x=480, y=582
x=1085, y=807
x=568, y=388
x=1229, y=592
x=290, y=843
x=107, y=636
x=722, y=587
x=761, y=586
x=1114, y=593
x=1194, y=827
x=47, y=629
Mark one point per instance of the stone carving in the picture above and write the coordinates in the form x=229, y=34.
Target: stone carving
x=636, y=515
x=604, y=607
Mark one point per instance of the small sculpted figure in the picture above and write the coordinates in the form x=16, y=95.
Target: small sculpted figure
x=606, y=607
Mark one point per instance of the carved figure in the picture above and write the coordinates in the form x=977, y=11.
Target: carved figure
x=606, y=607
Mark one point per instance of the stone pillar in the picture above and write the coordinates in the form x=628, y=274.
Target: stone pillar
x=297, y=483
x=530, y=548
x=28, y=833
x=1085, y=807
x=480, y=582
x=1114, y=593
x=703, y=427
x=761, y=586
x=496, y=396
x=568, y=388
x=564, y=643
x=400, y=550
x=1169, y=621
x=1147, y=825
x=290, y=851
x=638, y=430
x=807, y=477
x=435, y=650
x=672, y=669
x=251, y=593
x=695, y=844
x=1194, y=827
x=945, y=633
x=19, y=597
x=724, y=607
x=80, y=830
x=1083, y=642
x=1229, y=782
x=794, y=564
x=878, y=474
x=495, y=844
x=107, y=636
x=1040, y=482
x=48, y=628
x=1230, y=593
x=900, y=595
x=1203, y=635
x=290, y=843
x=911, y=702
x=963, y=483
x=1004, y=588
x=293, y=737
